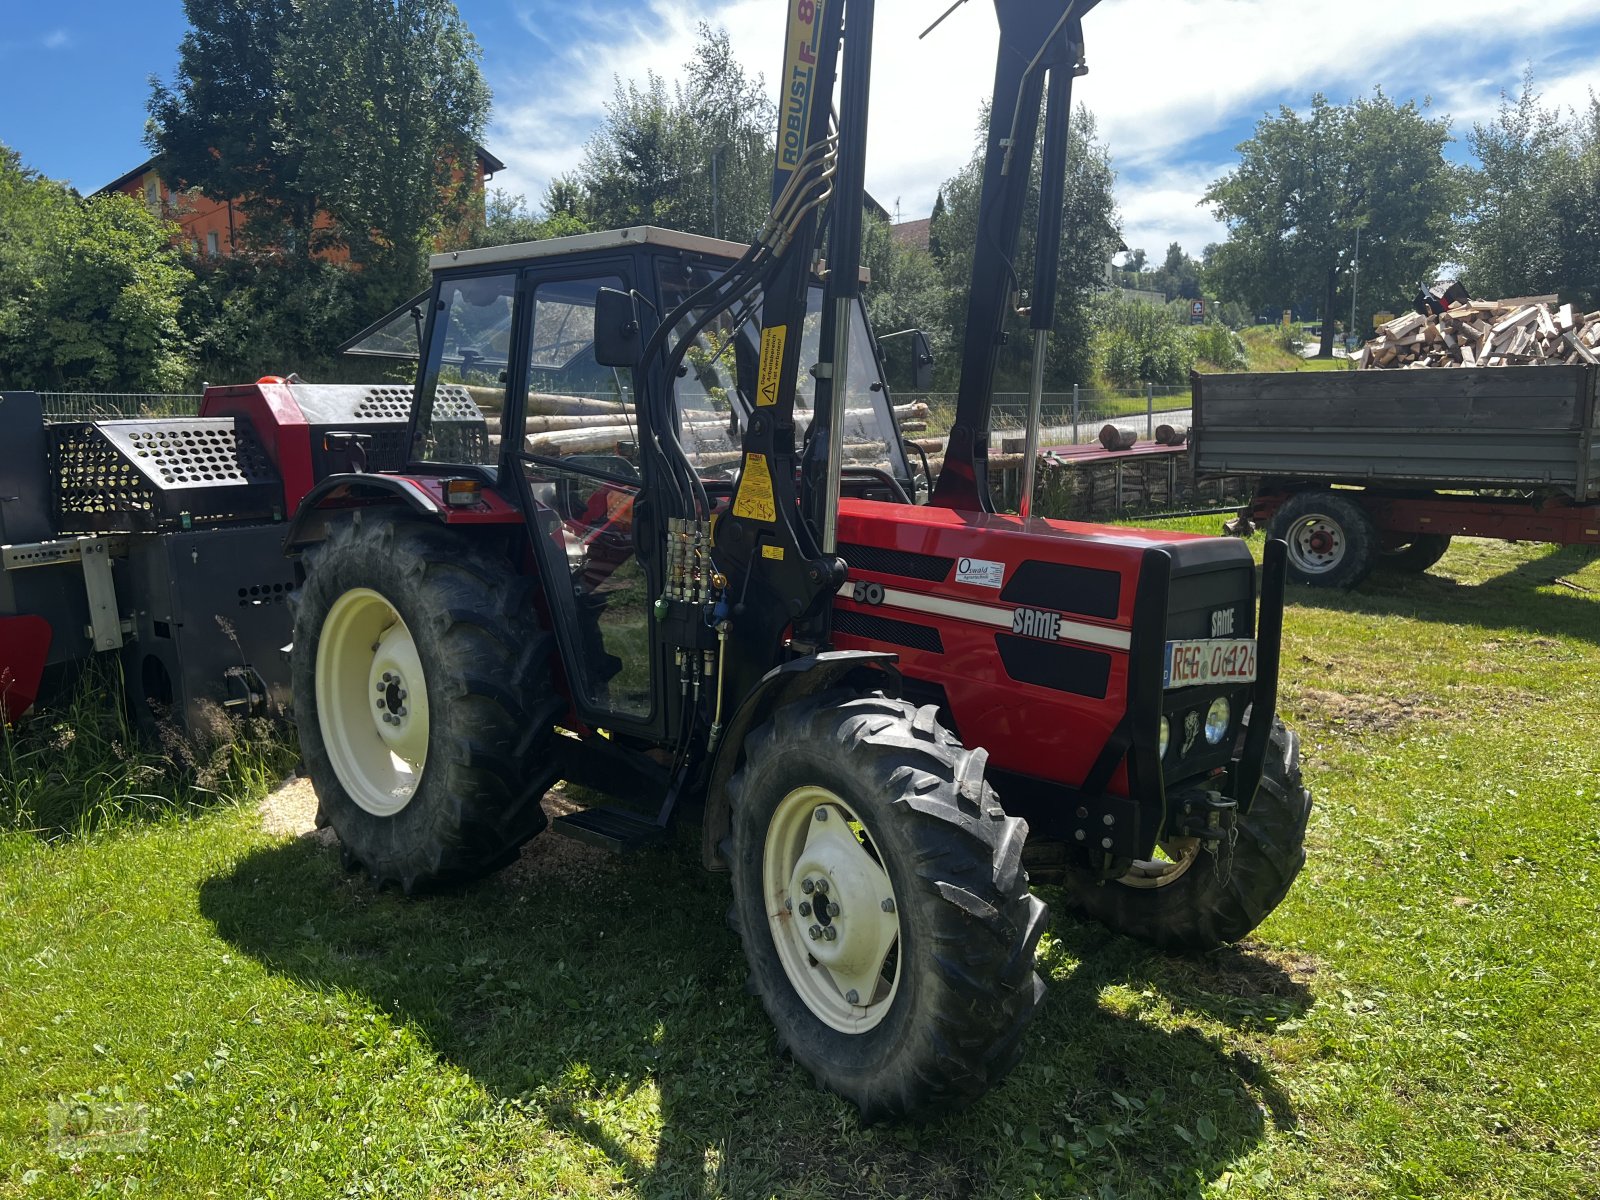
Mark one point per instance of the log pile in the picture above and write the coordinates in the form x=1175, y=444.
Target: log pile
x=1487, y=333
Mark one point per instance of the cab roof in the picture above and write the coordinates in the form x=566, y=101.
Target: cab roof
x=610, y=239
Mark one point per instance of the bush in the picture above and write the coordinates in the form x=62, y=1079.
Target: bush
x=1138, y=343
x=1218, y=346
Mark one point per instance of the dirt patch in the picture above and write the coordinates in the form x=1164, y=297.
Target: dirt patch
x=550, y=858
x=1360, y=714
x=290, y=810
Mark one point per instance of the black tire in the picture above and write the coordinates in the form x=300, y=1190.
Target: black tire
x=967, y=925
x=1220, y=898
x=1417, y=555
x=490, y=701
x=1332, y=541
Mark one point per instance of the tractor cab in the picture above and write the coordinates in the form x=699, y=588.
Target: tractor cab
x=513, y=329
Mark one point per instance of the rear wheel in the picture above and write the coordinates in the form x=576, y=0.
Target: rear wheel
x=881, y=900
x=422, y=695
x=1332, y=541
x=1188, y=898
x=1415, y=555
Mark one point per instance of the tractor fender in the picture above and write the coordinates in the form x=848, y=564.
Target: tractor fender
x=342, y=493
x=793, y=680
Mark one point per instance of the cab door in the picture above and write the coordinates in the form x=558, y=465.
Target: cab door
x=580, y=469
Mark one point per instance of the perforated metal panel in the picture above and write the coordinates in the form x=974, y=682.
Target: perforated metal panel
x=131, y=476
x=383, y=411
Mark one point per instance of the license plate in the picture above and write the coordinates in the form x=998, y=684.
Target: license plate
x=1222, y=660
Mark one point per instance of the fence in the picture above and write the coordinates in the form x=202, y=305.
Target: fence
x=100, y=406
x=1068, y=418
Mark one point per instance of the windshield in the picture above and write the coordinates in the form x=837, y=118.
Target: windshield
x=714, y=393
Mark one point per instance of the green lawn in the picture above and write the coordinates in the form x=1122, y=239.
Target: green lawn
x=1420, y=1018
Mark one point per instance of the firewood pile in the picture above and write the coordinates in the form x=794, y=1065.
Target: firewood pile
x=1487, y=333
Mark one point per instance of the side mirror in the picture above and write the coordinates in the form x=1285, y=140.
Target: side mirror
x=921, y=361
x=616, y=329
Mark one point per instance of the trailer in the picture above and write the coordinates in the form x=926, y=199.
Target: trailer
x=1363, y=469
x=160, y=540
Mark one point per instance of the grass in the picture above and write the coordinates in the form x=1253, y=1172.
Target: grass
x=1265, y=351
x=1420, y=1017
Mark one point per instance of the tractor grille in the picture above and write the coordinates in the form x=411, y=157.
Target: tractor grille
x=887, y=629
x=930, y=568
x=131, y=476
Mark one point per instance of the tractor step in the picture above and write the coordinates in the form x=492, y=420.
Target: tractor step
x=613, y=829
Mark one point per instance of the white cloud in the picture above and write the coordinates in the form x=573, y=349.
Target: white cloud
x=56, y=39
x=1166, y=75
x=1163, y=206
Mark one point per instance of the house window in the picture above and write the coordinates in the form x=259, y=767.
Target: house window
x=212, y=244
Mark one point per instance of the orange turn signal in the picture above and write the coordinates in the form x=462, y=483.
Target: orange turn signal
x=462, y=493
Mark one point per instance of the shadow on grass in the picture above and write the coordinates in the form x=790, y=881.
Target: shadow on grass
x=573, y=983
x=1508, y=601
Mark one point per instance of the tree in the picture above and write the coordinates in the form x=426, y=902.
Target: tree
x=221, y=126
x=1531, y=225
x=89, y=290
x=907, y=292
x=507, y=218
x=1178, y=276
x=329, y=122
x=696, y=157
x=1304, y=185
x=1089, y=237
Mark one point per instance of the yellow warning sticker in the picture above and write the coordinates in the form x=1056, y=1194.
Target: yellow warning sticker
x=755, y=502
x=771, y=551
x=771, y=369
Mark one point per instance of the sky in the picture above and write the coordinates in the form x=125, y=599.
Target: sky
x=1175, y=85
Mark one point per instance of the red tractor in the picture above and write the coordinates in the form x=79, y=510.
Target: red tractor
x=673, y=554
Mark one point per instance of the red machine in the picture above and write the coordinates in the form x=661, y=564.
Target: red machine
x=685, y=565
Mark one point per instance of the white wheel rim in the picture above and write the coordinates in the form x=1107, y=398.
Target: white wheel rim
x=372, y=702
x=848, y=980
x=1316, y=543
x=1180, y=854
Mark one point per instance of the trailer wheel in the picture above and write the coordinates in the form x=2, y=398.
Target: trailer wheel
x=424, y=703
x=1332, y=541
x=1416, y=555
x=882, y=903
x=1192, y=900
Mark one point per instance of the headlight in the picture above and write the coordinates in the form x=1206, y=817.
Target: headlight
x=1166, y=736
x=1217, y=720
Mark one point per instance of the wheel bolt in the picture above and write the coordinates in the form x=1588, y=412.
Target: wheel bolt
x=1105, y=843
x=807, y=886
x=380, y=705
x=833, y=909
x=379, y=686
x=388, y=718
x=830, y=933
x=805, y=908
x=822, y=887
x=815, y=931
x=402, y=711
x=852, y=997
x=388, y=677
x=888, y=904
x=822, y=814
x=789, y=907
x=403, y=693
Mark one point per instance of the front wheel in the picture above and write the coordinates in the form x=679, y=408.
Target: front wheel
x=881, y=900
x=1191, y=899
